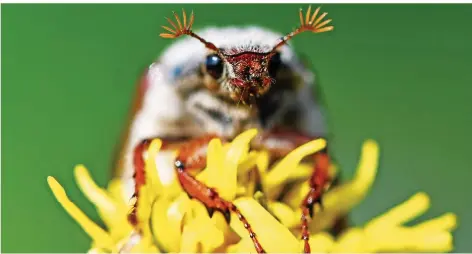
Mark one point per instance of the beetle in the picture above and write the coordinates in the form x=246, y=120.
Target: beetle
x=218, y=83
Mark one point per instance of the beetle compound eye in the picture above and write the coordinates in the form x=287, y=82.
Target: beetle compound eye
x=214, y=66
x=274, y=65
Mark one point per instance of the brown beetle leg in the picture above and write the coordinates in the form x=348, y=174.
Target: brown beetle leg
x=191, y=156
x=139, y=177
x=139, y=169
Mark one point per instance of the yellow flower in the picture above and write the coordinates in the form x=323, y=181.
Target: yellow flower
x=168, y=221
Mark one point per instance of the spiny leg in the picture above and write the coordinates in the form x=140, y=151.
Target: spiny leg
x=318, y=181
x=192, y=156
x=139, y=177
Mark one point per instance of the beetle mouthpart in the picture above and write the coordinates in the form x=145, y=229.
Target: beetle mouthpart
x=247, y=92
x=238, y=83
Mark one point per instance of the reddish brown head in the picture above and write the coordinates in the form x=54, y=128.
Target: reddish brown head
x=244, y=76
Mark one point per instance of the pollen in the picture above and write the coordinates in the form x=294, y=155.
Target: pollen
x=169, y=221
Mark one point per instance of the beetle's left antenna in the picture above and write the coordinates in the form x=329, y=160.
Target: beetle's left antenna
x=311, y=22
x=185, y=28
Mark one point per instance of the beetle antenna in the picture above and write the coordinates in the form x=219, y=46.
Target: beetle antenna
x=182, y=27
x=308, y=23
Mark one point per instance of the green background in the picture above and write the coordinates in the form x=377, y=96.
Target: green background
x=401, y=74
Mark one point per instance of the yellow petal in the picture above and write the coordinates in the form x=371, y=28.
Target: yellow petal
x=212, y=175
x=295, y=195
x=172, y=190
x=263, y=162
x=219, y=174
x=244, y=246
x=285, y=214
x=400, y=214
x=98, y=235
x=367, y=168
x=272, y=235
x=189, y=243
x=162, y=168
x=351, y=241
x=439, y=242
x=241, y=191
x=95, y=194
x=302, y=172
x=239, y=147
x=321, y=242
x=115, y=191
x=230, y=236
x=237, y=151
x=446, y=222
x=111, y=212
x=288, y=164
x=200, y=234
x=249, y=163
x=150, y=168
x=143, y=211
x=405, y=239
x=167, y=221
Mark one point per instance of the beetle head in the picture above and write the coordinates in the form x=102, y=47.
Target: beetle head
x=244, y=76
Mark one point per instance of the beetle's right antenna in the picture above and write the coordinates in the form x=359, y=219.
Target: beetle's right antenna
x=307, y=24
x=180, y=30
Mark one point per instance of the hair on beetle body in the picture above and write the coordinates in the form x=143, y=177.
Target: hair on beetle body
x=220, y=82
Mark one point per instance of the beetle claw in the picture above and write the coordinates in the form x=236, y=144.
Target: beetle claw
x=311, y=206
x=320, y=201
x=311, y=209
x=227, y=215
x=211, y=211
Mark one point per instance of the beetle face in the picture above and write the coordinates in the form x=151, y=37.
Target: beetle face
x=243, y=76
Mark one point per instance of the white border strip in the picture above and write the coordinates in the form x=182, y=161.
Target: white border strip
x=243, y=1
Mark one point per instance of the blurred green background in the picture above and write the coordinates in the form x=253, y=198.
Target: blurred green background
x=400, y=74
